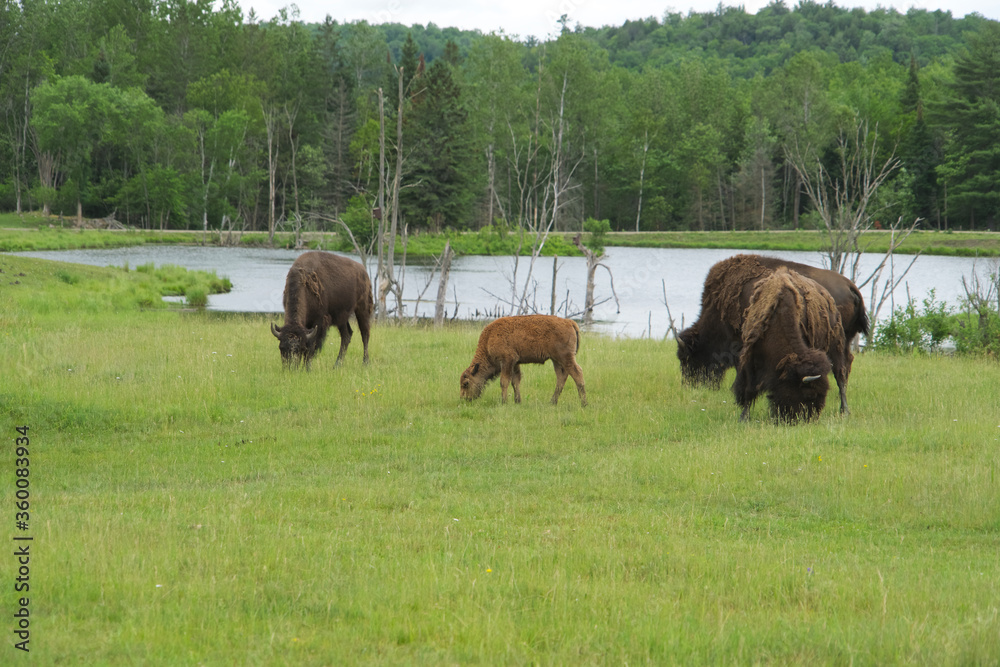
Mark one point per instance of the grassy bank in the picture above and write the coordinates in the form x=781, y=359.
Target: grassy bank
x=966, y=244
x=193, y=503
x=43, y=287
x=34, y=232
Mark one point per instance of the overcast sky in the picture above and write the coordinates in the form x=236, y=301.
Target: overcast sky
x=539, y=17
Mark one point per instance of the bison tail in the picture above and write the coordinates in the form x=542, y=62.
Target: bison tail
x=864, y=324
x=861, y=323
x=576, y=329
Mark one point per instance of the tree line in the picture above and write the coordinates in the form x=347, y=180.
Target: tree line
x=189, y=114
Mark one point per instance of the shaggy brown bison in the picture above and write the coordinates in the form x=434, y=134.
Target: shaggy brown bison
x=323, y=290
x=792, y=338
x=712, y=344
x=508, y=342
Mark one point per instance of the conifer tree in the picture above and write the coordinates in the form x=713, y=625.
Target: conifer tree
x=441, y=152
x=973, y=157
x=920, y=155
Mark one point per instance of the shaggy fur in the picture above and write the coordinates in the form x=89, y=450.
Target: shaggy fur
x=792, y=338
x=709, y=347
x=322, y=290
x=508, y=342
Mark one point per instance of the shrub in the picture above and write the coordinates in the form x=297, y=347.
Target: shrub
x=598, y=230
x=67, y=277
x=909, y=330
x=360, y=220
x=196, y=297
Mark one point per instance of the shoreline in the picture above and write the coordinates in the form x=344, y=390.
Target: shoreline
x=487, y=242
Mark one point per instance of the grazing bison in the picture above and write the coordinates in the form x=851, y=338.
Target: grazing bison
x=323, y=290
x=792, y=338
x=712, y=344
x=508, y=342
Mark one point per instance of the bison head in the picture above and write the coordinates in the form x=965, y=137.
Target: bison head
x=703, y=364
x=296, y=343
x=801, y=388
x=472, y=382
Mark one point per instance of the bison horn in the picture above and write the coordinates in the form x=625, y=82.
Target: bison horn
x=811, y=378
x=275, y=331
x=311, y=333
x=681, y=344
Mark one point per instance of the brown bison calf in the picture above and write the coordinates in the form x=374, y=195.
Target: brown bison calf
x=508, y=342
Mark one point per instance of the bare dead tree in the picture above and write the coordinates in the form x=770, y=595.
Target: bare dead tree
x=226, y=229
x=271, y=126
x=882, y=290
x=555, y=271
x=593, y=262
x=362, y=250
x=443, y=284
x=386, y=279
x=980, y=293
x=672, y=330
x=642, y=177
x=291, y=111
x=843, y=202
x=543, y=184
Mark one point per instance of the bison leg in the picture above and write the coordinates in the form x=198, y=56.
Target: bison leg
x=574, y=371
x=842, y=371
x=744, y=391
x=577, y=374
x=364, y=326
x=561, y=376
x=506, y=372
x=842, y=385
x=345, y=339
x=516, y=381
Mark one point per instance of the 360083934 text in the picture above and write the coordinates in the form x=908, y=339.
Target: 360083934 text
x=22, y=540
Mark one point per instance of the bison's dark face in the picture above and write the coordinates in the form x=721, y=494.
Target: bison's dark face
x=801, y=388
x=296, y=344
x=701, y=365
x=472, y=382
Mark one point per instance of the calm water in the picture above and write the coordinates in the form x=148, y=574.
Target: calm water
x=478, y=285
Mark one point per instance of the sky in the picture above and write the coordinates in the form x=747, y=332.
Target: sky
x=523, y=18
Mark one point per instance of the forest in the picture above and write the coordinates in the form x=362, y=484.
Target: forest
x=188, y=114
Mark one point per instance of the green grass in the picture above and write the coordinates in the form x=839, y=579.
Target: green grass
x=193, y=503
x=965, y=244
x=41, y=287
x=35, y=232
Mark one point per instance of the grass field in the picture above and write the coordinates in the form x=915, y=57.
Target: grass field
x=193, y=503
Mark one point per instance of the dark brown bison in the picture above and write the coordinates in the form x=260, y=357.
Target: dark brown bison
x=792, y=338
x=323, y=290
x=711, y=346
x=508, y=342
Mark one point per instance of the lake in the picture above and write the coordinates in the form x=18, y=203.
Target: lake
x=478, y=285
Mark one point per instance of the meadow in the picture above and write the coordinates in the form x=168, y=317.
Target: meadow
x=194, y=503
